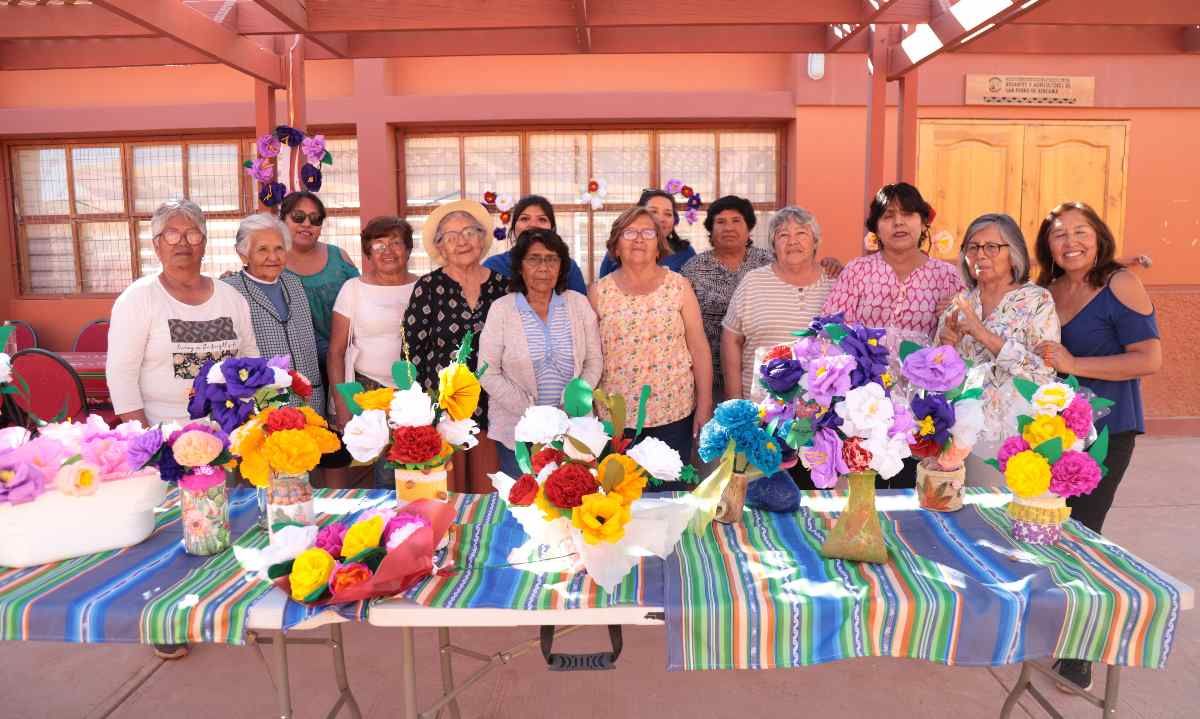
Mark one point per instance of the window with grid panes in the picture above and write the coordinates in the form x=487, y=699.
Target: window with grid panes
x=558, y=163
x=83, y=209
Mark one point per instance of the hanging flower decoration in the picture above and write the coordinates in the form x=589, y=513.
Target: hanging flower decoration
x=503, y=203
x=594, y=194
x=264, y=168
x=691, y=198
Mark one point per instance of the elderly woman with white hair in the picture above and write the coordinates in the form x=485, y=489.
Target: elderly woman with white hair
x=998, y=321
x=167, y=325
x=447, y=303
x=772, y=302
x=279, y=310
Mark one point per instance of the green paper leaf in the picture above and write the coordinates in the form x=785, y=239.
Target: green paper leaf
x=275, y=571
x=316, y=594
x=1051, y=449
x=367, y=555
x=347, y=390
x=464, y=348
x=276, y=526
x=836, y=332
x=992, y=463
x=5, y=332
x=482, y=368
x=1100, y=403
x=952, y=395
x=580, y=447
x=1099, y=449
x=248, y=164
x=327, y=158
x=613, y=474
x=1025, y=387
x=688, y=474
x=1023, y=422
x=641, y=415
x=803, y=333
x=973, y=393
x=577, y=398
x=907, y=347
x=1072, y=382
x=403, y=374
x=523, y=460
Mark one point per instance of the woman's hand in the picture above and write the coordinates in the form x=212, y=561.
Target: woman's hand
x=1056, y=356
x=965, y=319
x=951, y=333
x=703, y=413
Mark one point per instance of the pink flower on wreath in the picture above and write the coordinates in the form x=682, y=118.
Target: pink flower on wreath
x=1012, y=446
x=1074, y=474
x=262, y=169
x=1078, y=416
x=268, y=145
x=313, y=148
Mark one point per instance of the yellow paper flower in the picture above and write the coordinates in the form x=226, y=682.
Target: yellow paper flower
x=1046, y=427
x=601, y=518
x=312, y=418
x=1052, y=398
x=375, y=399
x=629, y=489
x=291, y=451
x=549, y=511
x=458, y=391
x=1027, y=474
x=310, y=572
x=362, y=535
x=247, y=443
x=325, y=440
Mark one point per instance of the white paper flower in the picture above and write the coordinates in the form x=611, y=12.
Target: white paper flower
x=887, y=453
x=215, y=376
x=286, y=543
x=866, y=411
x=13, y=437
x=460, y=433
x=504, y=203
x=541, y=424
x=5, y=368
x=283, y=379
x=69, y=434
x=366, y=435
x=588, y=431
x=594, y=193
x=968, y=422
x=1052, y=398
x=411, y=408
x=658, y=458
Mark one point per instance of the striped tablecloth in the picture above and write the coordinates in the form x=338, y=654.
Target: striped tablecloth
x=154, y=592
x=957, y=589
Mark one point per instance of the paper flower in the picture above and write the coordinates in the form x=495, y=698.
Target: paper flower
x=1027, y=474
x=77, y=479
x=594, y=193
x=310, y=573
x=1046, y=427
x=545, y=456
x=286, y=418
x=231, y=412
x=460, y=433
x=262, y=170
x=1012, y=446
x=673, y=186
x=523, y=491
x=601, y=518
x=633, y=477
x=542, y=424
x=686, y=190
x=865, y=411
x=300, y=384
x=291, y=451
x=20, y=483
x=195, y=448
x=489, y=197
x=856, y=457
x=589, y=432
x=271, y=194
x=110, y=455
x=827, y=377
x=458, y=391
x=1074, y=474
x=504, y=203
x=313, y=148
x=870, y=355
x=1052, y=398
x=934, y=417
x=289, y=135
x=781, y=375
x=364, y=534
x=331, y=536
x=246, y=375
x=692, y=215
x=968, y=422
x=400, y=527
x=203, y=478
x=887, y=454
x=736, y=414
x=823, y=458
x=415, y=445
x=1078, y=416
x=694, y=202
x=268, y=146
x=936, y=369
x=659, y=459
x=411, y=408
x=903, y=422
x=348, y=576
x=567, y=485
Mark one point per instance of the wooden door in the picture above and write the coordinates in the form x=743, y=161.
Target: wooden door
x=1066, y=162
x=965, y=170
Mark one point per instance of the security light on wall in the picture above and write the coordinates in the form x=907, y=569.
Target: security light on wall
x=816, y=65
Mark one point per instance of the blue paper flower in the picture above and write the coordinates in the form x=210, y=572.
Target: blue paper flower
x=232, y=412
x=199, y=403
x=735, y=413
x=310, y=177
x=865, y=345
x=782, y=375
x=246, y=375
x=934, y=416
x=272, y=194
x=290, y=136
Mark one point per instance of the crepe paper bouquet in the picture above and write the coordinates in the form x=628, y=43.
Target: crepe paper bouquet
x=380, y=554
x=580, y=493
x=263, y=168
x=405, y=425
x=233, y=389
x=947, y=404
x=196, y=455
x=1057, y=454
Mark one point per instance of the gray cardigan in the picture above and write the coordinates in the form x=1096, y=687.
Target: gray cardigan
x=509, y=379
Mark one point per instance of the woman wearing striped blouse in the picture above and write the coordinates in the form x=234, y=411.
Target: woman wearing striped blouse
x=536, y=339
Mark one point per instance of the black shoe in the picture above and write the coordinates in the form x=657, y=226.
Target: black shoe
x=1075, y=671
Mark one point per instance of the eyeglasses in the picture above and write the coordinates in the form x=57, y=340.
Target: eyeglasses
x=991, y=249
x=299, y=217
x=381, y=245
x=631, y=234
x=543, y=260
x=470, y=234
x=172, y=236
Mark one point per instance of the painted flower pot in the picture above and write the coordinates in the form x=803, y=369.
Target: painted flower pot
x=289, y=501
x=940, y=490
x=857, y=534
x=733, y=500
x=414, y=484
x=205, y=518
x=1038, y=520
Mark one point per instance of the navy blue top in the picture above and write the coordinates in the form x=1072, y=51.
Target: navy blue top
x=274, y=292
x=1103, y=328
x=674, y=261
x=501, y=264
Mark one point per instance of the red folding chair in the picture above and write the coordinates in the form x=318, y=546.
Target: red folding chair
x=24, y=335
x=54, y=389
x=92, y=338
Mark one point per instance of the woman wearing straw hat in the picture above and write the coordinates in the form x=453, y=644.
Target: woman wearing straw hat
x=447, y=303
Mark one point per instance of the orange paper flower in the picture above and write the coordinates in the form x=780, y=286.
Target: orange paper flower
x=346, y=576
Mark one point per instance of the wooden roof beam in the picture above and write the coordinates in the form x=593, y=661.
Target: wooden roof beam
x=583, y=33
x=54, y=22
x=1112, y=12
x=1082, y=40
x=77, y=53
x=841, y=35
x=175, y=20
x=952, y=26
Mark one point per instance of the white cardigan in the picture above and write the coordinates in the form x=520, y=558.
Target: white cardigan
x=509, y=379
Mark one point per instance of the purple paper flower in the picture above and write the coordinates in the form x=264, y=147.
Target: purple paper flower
x=268, y=146
x=272, y=194
x=283, y=362
x=693, y=202
x=936, y=369
x=232, y=412
x=330, y=538
x=903, y=422
x=828, y=377
x=20, y=483
x=829, y=419
x=1078, y=416
x=310, y=177
x=168, y=469
x=142, y=449
x=818, y=323
x=934, y=416
x=774, y=409
x=1012, y=446
x=200, y=401
x=781, y=375
x=824, y=458
x=673, y=186
x=262, y=169
x=246, y=375
x=313, y=148
x=871, y=356
x=692, y=215
x=110, y=455
x=289, y=135
x=1074, y=474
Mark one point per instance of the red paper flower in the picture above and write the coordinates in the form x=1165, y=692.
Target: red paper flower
x=593, y=185
x=856, y=457
x=286, y=418
x=300, y=384
x=505, y=217
x=489, y=198
x=568, y=485
x=523, y=491
x=346, y=576
x=778, y=352
x=925, y=447
x=548, y=455
x=687, y=191
x=414, y=445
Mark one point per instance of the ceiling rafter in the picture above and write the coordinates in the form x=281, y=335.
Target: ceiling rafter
x=582, y=31
x=953, y=26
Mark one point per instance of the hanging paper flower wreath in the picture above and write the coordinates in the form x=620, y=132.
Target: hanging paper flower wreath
x=675, y=186
x=594, y=194
x=264, y=171
x=503, y=203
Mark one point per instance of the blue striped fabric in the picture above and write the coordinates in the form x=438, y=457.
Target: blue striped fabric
x=551, y=347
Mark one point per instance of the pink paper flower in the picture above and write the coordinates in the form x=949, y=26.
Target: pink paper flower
x=1074, y=474
x=201, y=479
x=674, y=185
x=262, y=170
x=109, y=454
x=1013, y=445
x=313, y=148
x=1078, y=416
x=401, y=527
x=268, y=145
x=330, y=538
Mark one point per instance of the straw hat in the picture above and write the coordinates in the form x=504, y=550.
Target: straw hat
x=472, y=208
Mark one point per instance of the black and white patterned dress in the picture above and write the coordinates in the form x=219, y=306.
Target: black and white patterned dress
x=436, y=321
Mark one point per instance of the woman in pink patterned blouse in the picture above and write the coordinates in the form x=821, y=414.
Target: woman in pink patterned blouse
x=897, y=287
